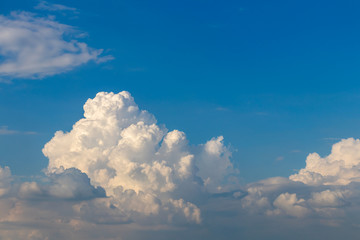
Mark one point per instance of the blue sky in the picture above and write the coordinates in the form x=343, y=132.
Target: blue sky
x=277, y=79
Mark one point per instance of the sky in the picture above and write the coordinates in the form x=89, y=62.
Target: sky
x=191, y=119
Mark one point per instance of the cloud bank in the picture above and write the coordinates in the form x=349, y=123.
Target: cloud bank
x=119, y=175
x=326, y=189
x=34, y=47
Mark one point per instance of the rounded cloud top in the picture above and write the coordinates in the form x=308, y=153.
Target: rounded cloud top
x=122, y=149
x=339, y=168
x=120, y=107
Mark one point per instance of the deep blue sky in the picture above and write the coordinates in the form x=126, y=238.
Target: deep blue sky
x=275, y=78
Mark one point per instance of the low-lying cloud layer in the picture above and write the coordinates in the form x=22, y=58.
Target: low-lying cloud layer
x=327, y=188
x=36, y=47
x=119, y=175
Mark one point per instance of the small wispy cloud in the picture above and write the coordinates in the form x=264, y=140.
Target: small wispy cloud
x=279, y=158
x=4, y=130
x=44, y=5
x=35, y=47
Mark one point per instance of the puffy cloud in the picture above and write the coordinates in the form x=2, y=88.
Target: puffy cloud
x=341, y=167
x=328, y=198
x=143, y=167
x=271, y=196
x=326, y=188
x=190, y=211
x=215, y=155
x=36, y=47
x=118, y=174
x=284, y=197
x=35, y=210
x=290, y=205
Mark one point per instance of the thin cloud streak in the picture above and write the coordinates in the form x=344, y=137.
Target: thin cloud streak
x=4, y=130
x=44, y=5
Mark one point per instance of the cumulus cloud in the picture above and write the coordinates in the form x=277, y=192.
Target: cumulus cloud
x=27, y=208
x=149, y=171
x=119, y=174
x=36, y=47
x=341, y=167
x=290, y=205
x=283, y=197
x=328, y=198
x=116, y=167
x=327, y=188
x=143, y=167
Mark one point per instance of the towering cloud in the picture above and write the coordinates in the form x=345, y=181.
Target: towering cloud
x=141, y=165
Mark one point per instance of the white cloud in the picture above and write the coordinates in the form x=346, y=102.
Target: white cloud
x=4, y=130
x=36, y=47
x=290, y=205
x=28, y=208
x=141, y=165
x=44, y=5
x=156, y=184
x=326, y=188
x=214, y=165
x=341, y=167
x=328, y=198
x=190, y=211
x=149, y=171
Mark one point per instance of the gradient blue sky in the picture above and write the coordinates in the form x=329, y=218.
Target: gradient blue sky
x=278, y=79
